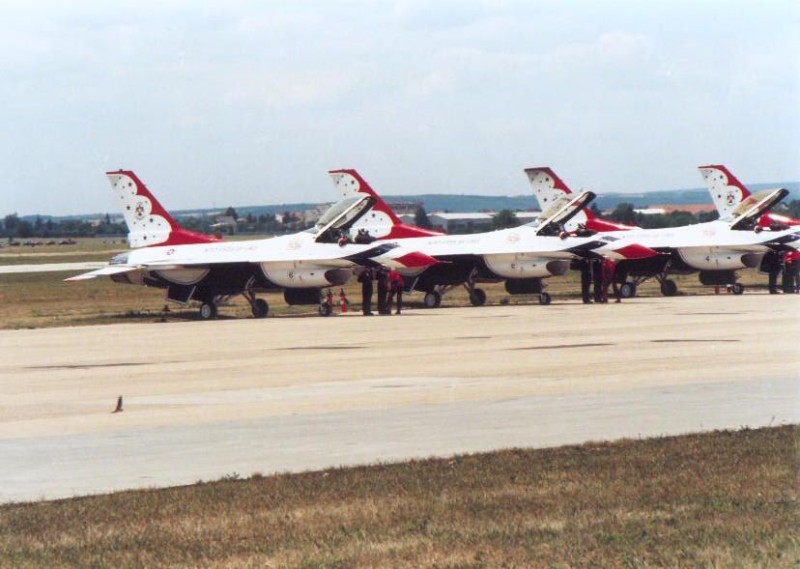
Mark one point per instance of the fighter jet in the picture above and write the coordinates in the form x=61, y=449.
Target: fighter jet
x=191, y=266
x=714, y=249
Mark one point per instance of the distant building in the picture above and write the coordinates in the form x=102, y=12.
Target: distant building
x=650, y=211
x=527, y=216
x=401, y=208
x=460, y=222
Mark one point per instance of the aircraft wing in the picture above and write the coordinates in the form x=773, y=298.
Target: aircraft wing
x=388, y=255
x=104, y=272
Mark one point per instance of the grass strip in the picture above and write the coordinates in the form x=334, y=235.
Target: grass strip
x=719, y=499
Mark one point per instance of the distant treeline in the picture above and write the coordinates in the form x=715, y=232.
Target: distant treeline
x=14, y=227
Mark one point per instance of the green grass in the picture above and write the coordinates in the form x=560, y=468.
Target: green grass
x=722, y=499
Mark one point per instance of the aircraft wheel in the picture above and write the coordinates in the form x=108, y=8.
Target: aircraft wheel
x=432, y=299
x=324, y=309
x=208, y=311
x=260, y=308
x=477, y=297
x=737, y=288
x=627, y=290
x=544, y=299
x=669, y=288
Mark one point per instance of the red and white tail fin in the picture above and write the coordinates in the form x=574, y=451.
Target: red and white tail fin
x=726, y=190
x=148, y=222
x=548, y=188
x=381, y=222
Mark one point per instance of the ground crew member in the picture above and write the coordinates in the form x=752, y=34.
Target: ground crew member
x=791, y=266
x=585, y=266
x=597, y=279
x=396, y=285
x=383, y=290
x=365, y=278
x=607, y=268
x=772, y=265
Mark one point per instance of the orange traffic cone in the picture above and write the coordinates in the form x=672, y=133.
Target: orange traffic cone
x=343, y=300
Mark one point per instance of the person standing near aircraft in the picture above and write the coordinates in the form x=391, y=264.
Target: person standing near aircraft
x=383, y=290
x=772, y=264
x=608, y=267
x=597, y=279
x=396, y=284
x=585, y=267
x=791, y=267
x=365, y=278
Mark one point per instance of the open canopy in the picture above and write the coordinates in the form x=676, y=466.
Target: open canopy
x=335, y=222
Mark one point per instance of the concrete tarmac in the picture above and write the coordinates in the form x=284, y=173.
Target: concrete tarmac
x=204, y=400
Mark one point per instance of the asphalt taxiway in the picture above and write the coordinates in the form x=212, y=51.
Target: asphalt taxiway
x=204, y=400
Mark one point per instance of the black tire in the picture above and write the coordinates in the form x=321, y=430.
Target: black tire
x=669, y=288
x=260, y=308
x=324, y=309
x=432, y=299
x=477, y=297
x=627, y=290
x=544, y=299
x=737, y=288
x=208, y=311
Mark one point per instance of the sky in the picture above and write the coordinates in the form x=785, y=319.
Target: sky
x=252, y=102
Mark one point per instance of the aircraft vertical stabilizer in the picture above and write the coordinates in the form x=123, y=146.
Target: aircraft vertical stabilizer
x=381, y=221
x=549, y=188
x=148, y=222
x=726, y=190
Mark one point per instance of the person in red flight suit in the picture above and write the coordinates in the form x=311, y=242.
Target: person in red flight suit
x=791, y=271
x=396, y=285
x=608, y=268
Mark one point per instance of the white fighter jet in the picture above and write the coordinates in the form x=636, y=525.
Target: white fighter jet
x=715, y=249
x=191, y=266
x=521, y=256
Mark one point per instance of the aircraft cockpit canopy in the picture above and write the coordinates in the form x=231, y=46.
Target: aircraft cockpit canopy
x=552, y=220
x=746, y=214
x=337, y=220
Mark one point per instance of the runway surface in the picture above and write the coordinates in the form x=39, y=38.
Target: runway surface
x=204, y=400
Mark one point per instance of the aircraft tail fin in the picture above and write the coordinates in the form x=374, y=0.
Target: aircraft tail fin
x=549, y=188
x=381, y=222
x=725, y=189
x=149, y=224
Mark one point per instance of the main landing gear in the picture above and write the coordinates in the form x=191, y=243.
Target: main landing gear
x=258, y=306
x=627, y=289
x=208, y=310
x=433, y=299
x=668, y=287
